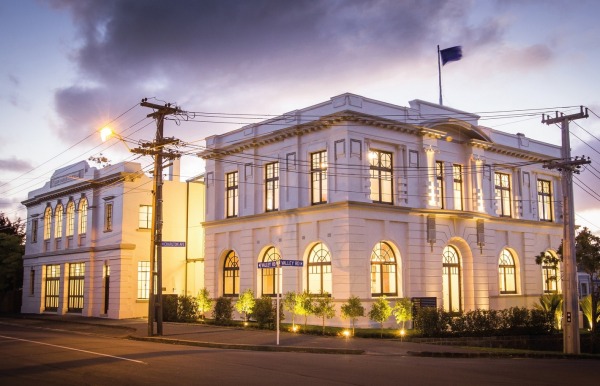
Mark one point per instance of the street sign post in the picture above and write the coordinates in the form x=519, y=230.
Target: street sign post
x=172, y=243
x=279, y=264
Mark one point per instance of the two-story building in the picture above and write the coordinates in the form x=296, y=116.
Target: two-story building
x=376, y=199
x=88, y=241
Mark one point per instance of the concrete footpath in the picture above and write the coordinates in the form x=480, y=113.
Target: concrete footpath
x=259, y=340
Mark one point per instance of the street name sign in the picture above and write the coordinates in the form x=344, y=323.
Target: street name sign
x=172, y=243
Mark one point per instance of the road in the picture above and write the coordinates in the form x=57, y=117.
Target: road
x=33, y=356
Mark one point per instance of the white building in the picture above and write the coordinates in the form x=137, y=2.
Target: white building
x=377, y=199
x=88, y=241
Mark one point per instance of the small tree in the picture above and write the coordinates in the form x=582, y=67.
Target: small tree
x=245, y=303
x=324, y=308
x=205, y=303
x=290, y=299
x=353, y=309
x=402, y=311
x=223, y=310
x=380, y=312
x=304, y=305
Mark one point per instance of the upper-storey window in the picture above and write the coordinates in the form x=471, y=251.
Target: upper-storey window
x=380, y=163
x=544, y=200
x=145, y=217
x=318, y=177
x=502, y=189
x=458, y=186
x=108, y=216
x=83, y=209
x=70, y=218
x=232, y=191
x=58, y=221
x=272, y=186
x=47, y=223
x=439, y=176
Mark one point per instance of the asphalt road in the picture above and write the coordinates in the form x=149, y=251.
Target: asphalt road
x=33, y=356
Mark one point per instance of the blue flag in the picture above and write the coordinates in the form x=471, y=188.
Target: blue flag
x=451, y=54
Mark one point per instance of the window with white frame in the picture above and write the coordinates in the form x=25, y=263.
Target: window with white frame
x=502, y=190
x=52, y=290
x=47, y=223
x=58, y=221
x=271, y=278
x=108, y=216
x=231, y=274
x=381, y=173
x=232, y=194
x=384, y=281
x=272, y=186
x=143, y=280
x=439, y=176
x=83, y=211
x=318, y=177
x=70, y=218
x=319, y=270
x=458, y=186
x=507, y=271
x=544, y=200
x=76, y=287
x=145, y=217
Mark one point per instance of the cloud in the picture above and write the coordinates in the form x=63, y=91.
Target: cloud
x=14, y=165
x=198, y=51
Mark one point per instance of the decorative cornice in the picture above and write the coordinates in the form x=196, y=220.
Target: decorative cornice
x=74, y=251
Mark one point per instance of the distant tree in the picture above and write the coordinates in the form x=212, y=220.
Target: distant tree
x=245, y=303
x=205, y=303
x=290, y=299
x=353, y=309
x=402, y=311
x=12, y=236
x=324, y=308
x=304, y=305
x=380, y=311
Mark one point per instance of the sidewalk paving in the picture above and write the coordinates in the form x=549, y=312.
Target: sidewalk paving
x=259, y=340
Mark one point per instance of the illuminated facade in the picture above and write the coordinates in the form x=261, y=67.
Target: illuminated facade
x=382, y=200
x=88, y=241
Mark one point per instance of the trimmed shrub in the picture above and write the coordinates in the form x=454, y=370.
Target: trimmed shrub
x=187, y=309
x=265, y=313
x=432, y=322
x=223, y=311
x=169, y=308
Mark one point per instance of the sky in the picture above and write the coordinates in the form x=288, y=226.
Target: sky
x=71, y=67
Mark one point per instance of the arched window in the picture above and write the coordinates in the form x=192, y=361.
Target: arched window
x=550, y=273
x=319, y=270
x=83, y=208
x=70, y=218
x=271, y=278
x=507, y=273
x=451, y=280
x=47, y=223
x=383, y=271
x=58, y=221
x=231, y=275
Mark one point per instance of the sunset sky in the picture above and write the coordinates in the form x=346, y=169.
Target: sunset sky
x=70, y=67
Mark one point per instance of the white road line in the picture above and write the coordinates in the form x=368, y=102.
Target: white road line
x=74, y=349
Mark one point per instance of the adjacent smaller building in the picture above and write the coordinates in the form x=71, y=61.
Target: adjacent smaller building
x=88, y=241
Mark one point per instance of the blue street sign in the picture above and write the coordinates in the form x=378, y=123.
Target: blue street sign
x=267, y=264
x=172, y=243
x=292, y=263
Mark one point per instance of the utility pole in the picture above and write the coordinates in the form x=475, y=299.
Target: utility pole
x=157, y=149
x=571, y=343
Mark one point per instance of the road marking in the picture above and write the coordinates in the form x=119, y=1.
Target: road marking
x=74, y=349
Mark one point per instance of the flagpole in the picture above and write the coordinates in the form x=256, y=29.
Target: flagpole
x=439, y=73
